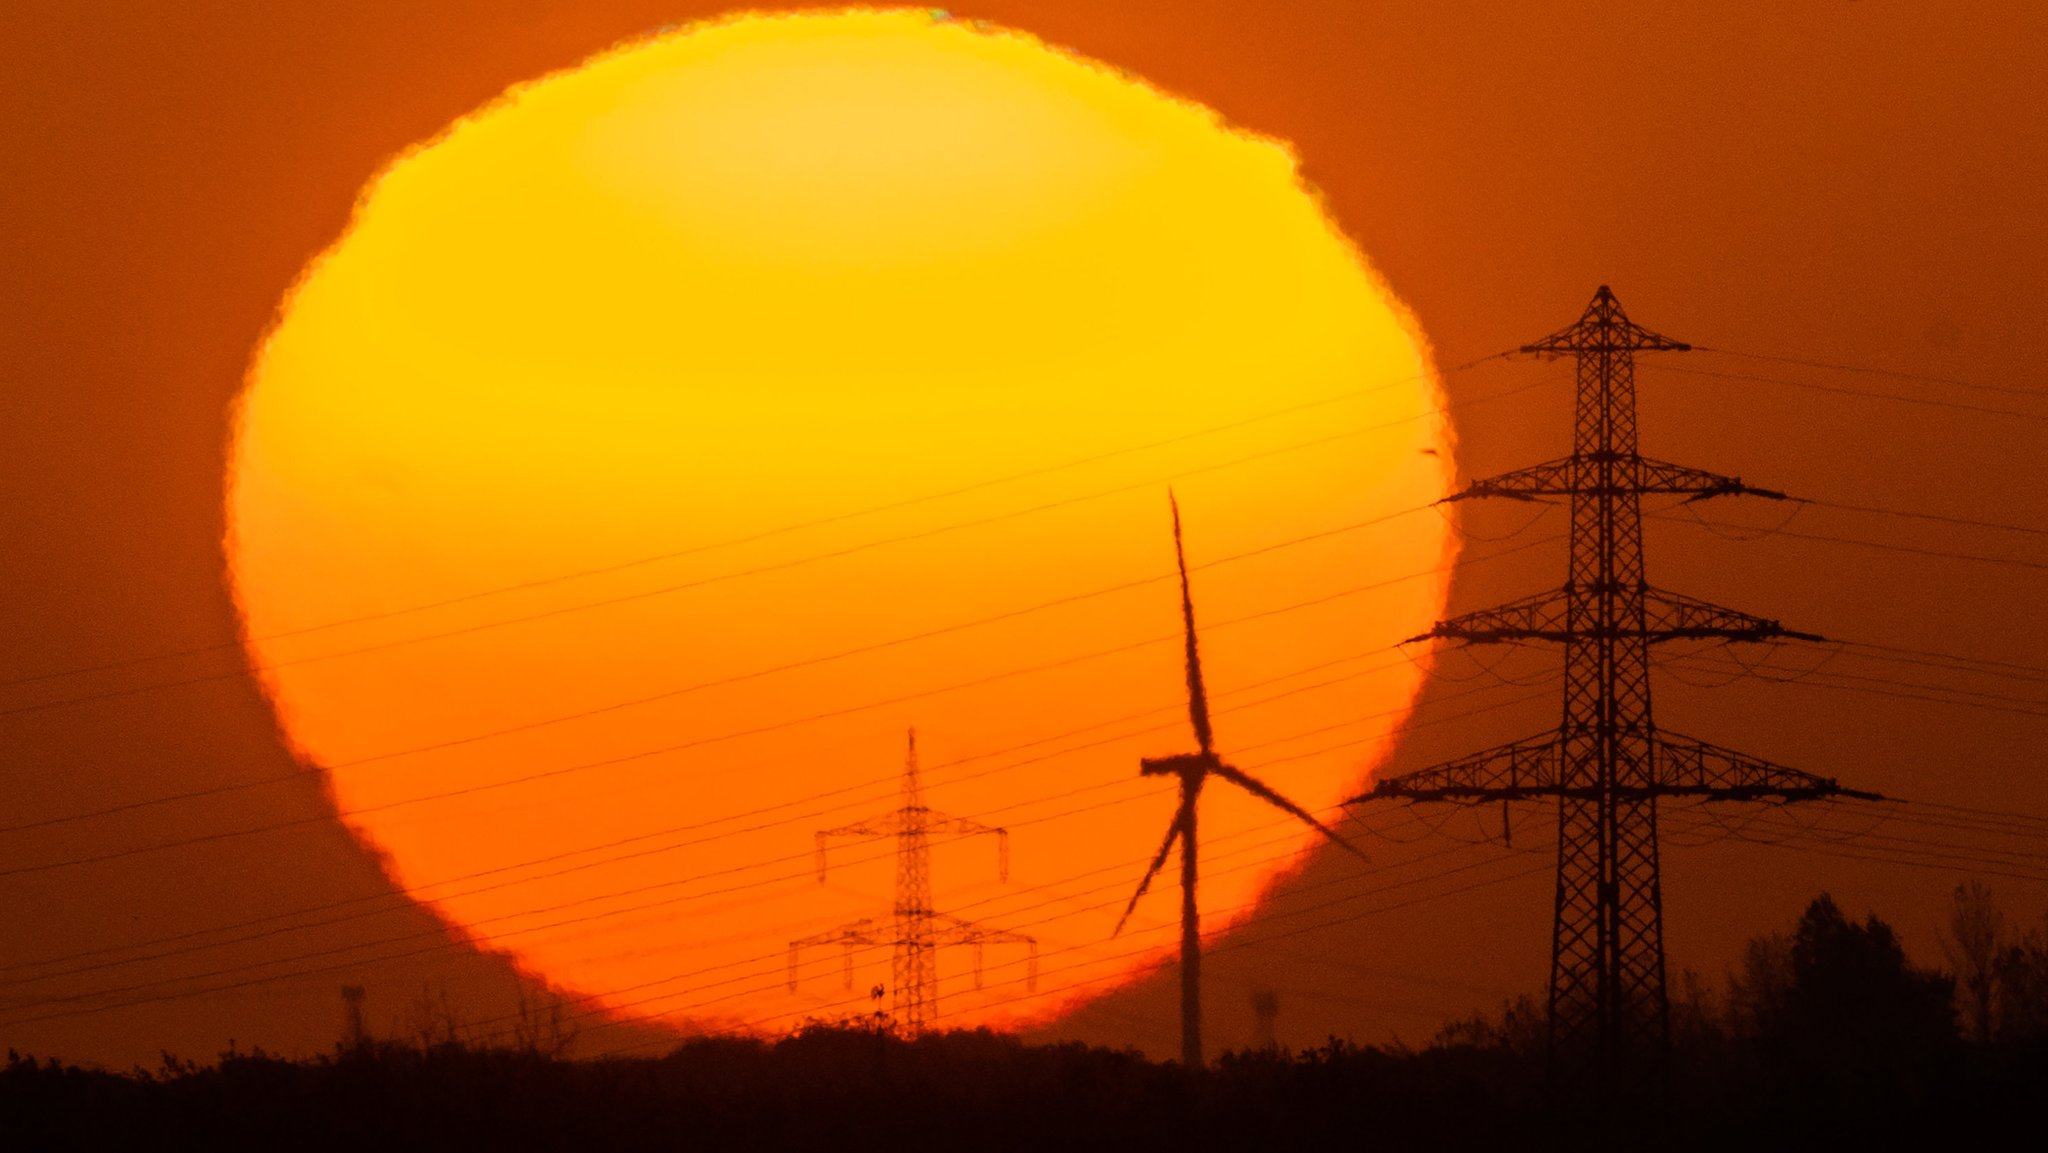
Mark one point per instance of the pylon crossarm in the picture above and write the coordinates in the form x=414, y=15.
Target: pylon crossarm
x=960, y=931
x=1630, y=474
x=1536, y=618
x=942, y=825
x=963, y=932
x=860, y=934
x=886, y=826
x=1682, y=766
x=1551, y=478
x=1669, y=616
x=1526, y=768
x=883, y=826
x=1656, y=476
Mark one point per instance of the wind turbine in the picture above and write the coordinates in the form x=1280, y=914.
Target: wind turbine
x=1194, y=769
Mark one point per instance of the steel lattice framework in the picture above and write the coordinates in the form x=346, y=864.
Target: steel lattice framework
x=1607, y=765
x=916, y=933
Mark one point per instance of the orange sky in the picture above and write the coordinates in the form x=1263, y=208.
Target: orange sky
x=1840, y=182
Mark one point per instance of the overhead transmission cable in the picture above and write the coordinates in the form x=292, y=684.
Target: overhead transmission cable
x=443, y=944
x=755, y=674
x=1937, y=518
x=1840, y=390
x=716, y=578
x=426, y=891
x=358, y=962
x=1064, y=794
x=1134, y=953
x=1861, y=543
x=1867, y=370
x=1900, y=690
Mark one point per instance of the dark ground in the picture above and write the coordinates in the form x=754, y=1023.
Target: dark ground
x=1827, y=1037
x=842, y=1089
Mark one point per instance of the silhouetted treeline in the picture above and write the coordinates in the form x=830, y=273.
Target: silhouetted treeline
x=1825, y=1034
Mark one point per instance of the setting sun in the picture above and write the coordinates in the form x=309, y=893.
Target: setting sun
x=663, y=441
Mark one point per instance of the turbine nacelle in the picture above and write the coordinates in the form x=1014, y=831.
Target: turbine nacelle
x=1181, y=764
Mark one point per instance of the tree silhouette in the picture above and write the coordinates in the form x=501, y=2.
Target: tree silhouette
x=1759, y=990
x=1854, y=1013
x=1974, y=943
x=2022, y=974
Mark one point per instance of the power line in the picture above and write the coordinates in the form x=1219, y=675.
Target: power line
x=1756, y=814
x=1937, y=518
x=803, y=817
x=613, y=1008
x=1226, y=946
x=1815, y=675
x=1868, y=836
x=1881, y=655
x=132, y=805
x=585, y=606
x=541, y=926
x=844, y=654
x=1947, y=862
x=1869, y=544
x=1870, y=371
x=784, y=530
x=522, y=914
x=358, y=962
x=444, y=944
x=421, y=892
x=2010, y=705
x=1253, y=907
x=758, y=570
x=1839, y=390
x=577, y=920
x=609, y=1005
x=1995, y=816
x=1955, y=658
x=734, y=679
x=1906, y=848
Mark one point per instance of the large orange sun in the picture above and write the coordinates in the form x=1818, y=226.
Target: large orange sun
x=664, y=440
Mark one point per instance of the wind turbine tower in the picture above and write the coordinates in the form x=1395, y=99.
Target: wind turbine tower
x=1193, y=770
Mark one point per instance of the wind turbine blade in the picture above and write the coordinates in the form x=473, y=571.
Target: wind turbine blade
x=1198, y=696
x=1158, y=862
x=1265, y=792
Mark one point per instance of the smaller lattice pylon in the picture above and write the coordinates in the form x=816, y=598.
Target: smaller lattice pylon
x=916, y=932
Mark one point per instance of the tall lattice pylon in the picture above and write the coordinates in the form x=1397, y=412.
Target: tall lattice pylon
x=916, y=932
x=1607, y=765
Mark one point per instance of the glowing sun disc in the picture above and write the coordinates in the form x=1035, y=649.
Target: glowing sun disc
x=663, y=440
